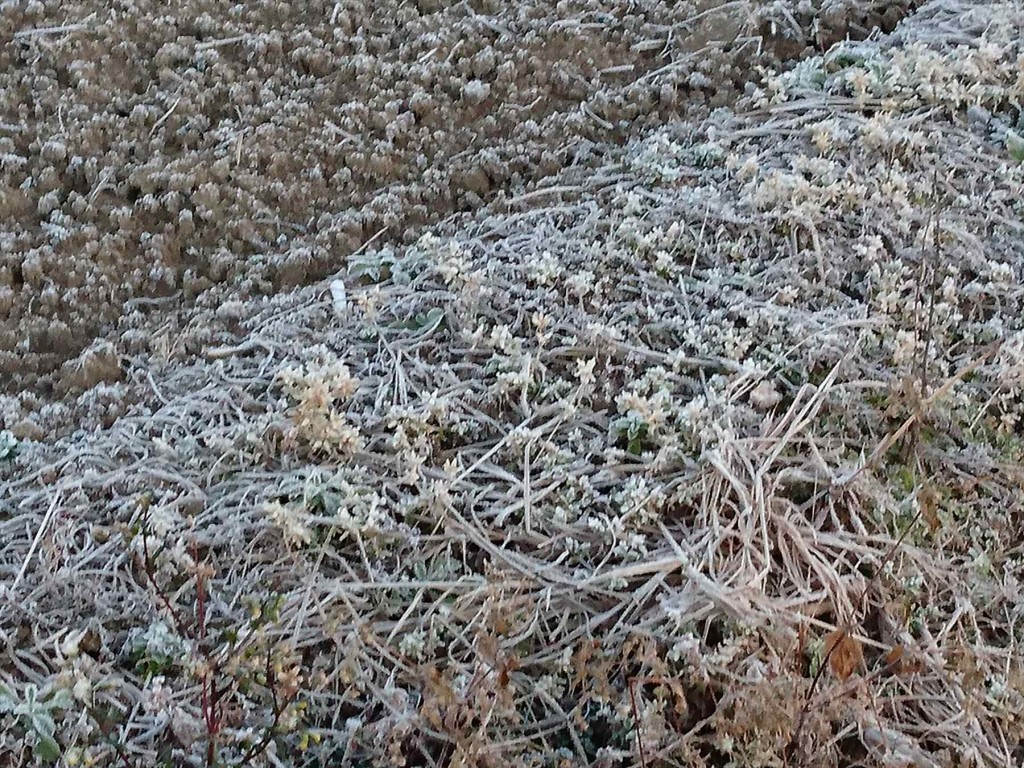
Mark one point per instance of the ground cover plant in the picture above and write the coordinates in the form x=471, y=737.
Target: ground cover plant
x=709, y=453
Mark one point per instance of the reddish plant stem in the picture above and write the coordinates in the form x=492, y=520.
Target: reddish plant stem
x=209, y=691
x=636, y=722
x=210, y=695
x=278, y=708
x=147, y=569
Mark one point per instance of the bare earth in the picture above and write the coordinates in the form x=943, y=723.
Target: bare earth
x=150, y=154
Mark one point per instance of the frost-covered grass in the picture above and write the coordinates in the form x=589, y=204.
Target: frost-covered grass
x=711, y=456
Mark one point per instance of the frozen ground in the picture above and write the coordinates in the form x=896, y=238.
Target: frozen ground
x=700, y=445
x=149, y=153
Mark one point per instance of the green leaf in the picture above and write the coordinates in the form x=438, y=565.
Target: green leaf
x=1015, y=146
x=424, y=323
x=368, y=267
x=8, y=699
x=429, y=321
x=30, y=700
x=61, y=699
x=47, y=748
x=8, y=444
x=816, y=651
x=42, y=723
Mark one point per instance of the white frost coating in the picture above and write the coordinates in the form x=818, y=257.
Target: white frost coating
x=339, y=296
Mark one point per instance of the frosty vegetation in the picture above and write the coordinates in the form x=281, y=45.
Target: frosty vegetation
x=705, y=451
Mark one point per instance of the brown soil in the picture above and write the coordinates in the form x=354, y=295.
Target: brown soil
x=147, y=156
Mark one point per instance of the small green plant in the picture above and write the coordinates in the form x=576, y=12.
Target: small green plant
x=8, y=445
x=35, y=710
x=632, y=430
x=156, y=649
x=424, y=323
x=385, y=264
x=1015, y=145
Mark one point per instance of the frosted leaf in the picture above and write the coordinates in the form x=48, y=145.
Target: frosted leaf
x=1015, y=145
x=339, y=296
x=8, y=444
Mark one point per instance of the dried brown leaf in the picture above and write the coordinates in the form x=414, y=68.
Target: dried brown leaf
x=894, y=657
x=845, y=654
x=929, y=500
